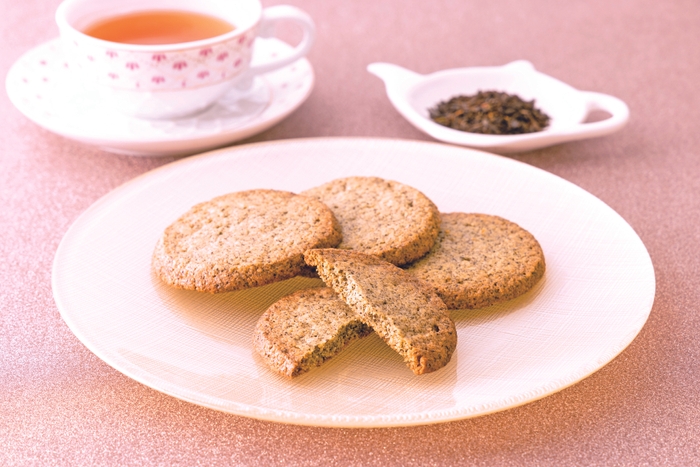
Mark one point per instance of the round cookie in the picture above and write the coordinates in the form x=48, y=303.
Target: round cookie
x=479, y=260
x=383, y=218
x=302, y=330
x=243, y=239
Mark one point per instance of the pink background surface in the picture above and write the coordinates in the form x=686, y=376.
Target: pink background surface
x=61, y=405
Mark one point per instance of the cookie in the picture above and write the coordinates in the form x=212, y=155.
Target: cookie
x=392, y=221
x=479, y=260
x=243, y=239
x=403, y=311
x=304, y=329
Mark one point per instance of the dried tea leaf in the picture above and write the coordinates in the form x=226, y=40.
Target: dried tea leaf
x=490, y=112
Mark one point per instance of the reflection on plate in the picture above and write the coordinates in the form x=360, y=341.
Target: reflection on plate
x=40, y=86
x=595, y=297
x=413, y=94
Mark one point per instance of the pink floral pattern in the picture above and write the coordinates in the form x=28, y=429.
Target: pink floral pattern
x=33, y=96
x=164, y=70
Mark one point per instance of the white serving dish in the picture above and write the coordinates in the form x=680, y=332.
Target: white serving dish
x=595, y=296
x=412, y=94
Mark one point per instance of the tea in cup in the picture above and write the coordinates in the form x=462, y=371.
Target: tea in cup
x=170, y=58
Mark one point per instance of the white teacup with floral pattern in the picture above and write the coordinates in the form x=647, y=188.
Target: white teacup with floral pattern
x=173, y=80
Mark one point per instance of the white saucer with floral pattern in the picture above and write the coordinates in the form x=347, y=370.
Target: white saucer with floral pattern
x=42, y=87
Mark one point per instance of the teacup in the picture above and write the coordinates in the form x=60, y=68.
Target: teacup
x=173, y=80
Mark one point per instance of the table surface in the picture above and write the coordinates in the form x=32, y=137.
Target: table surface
x=61, y=405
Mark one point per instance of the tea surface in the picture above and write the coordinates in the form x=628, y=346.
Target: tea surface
x=158, y=27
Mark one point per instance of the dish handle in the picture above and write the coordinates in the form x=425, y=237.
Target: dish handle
x=618, y=110
x=395, y=77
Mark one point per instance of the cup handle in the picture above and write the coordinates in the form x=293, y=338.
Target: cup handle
x=270, y=16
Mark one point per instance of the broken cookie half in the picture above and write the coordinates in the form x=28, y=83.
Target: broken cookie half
x=304, y=329
x=402, y=310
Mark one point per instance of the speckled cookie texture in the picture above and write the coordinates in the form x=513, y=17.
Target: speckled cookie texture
x=395, y=222
x=304, y=329
x=243, y=239
x=479, y=260
x=401, y=309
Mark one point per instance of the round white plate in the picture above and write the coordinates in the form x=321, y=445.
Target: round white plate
x=595, y=297
x=41, y=86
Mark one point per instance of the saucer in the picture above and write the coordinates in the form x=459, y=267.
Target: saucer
x=40, y=85
x=412, y=94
